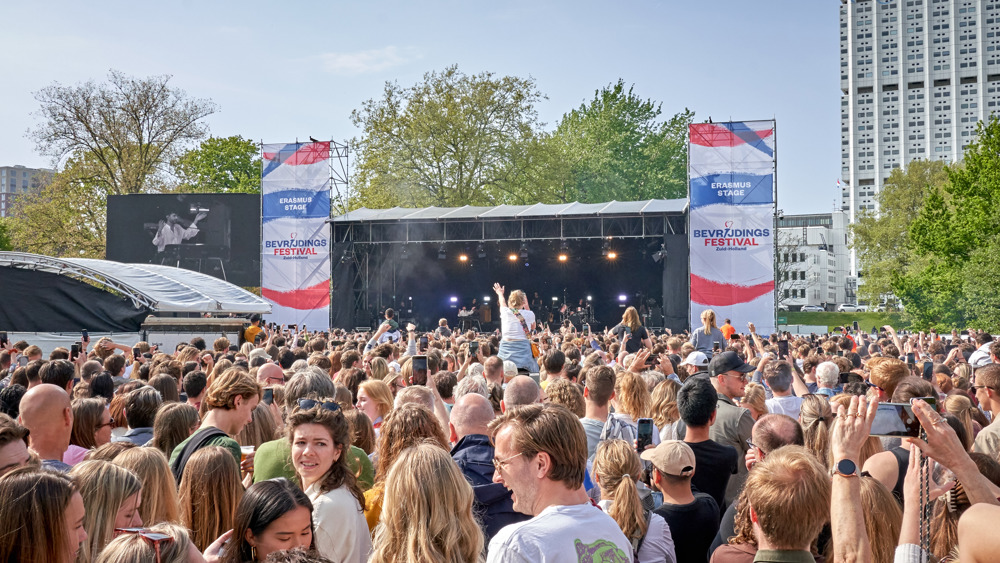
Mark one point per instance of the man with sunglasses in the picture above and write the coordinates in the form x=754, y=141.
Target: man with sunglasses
x=733, y=424
x=986, y=382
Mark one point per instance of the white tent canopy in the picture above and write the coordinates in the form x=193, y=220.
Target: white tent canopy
x=163, y=289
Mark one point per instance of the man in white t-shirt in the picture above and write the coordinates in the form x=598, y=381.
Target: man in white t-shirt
x=778, y=376
x=541, y=453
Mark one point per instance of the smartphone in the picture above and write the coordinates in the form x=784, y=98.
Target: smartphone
x=22, y=361
x=136, y=352
x=856, y=326
x=734, y=336
x=424, y=341
x=84, y=335
x=586, y=329
x=928, y=370
x=293, y=326
x=782, y=349
x=910, y=359
x=628, y=332
x=715, y=347
x=74, y=351
x=896, y=420
x=419, y=365
x=840, y=352
x=3, y=339
x=644, y=436
x=268, y=397
x=473, y=348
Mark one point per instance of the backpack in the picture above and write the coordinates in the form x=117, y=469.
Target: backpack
x=198, y=440
x=637, y=542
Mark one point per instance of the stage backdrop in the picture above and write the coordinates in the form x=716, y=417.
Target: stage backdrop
x=731, y=172
x=295, y=249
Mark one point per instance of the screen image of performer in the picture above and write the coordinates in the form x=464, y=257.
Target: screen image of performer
x=172, y=230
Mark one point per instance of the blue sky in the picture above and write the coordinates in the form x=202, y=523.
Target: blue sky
x=286, y=70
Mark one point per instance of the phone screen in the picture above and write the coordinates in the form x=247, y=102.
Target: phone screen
x=644, y=436
x=268, y=397
x=715, y=346
x=911, y=359
x=855, y=326
x=84, y=336
x=424, y=342
x=782, y=348
x=473, y=348
x=895, y=419
x=74, y=351
x=22, y=361
x=928, y=370
x=136, y=352
x=3, y=339
x=419, y=364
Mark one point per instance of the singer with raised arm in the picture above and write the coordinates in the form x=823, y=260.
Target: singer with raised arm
x=172, y=230
x=516, y=323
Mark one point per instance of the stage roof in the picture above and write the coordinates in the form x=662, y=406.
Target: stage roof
x=508, y=212
x=160, y=288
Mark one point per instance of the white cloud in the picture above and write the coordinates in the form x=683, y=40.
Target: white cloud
x=365, y=62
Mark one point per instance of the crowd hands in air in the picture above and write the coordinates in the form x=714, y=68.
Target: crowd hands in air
x=407, y=444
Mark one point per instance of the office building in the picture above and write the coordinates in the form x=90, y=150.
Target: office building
x=19, y=180
x=916, y=76
x=813, y=262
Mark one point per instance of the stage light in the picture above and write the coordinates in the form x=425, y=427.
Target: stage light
x=512, y=257
x=481, y=251
x=563, y=257
x=554, y=299
x=463, y=258
x=588, y=298
x=524, y=250
x=660, y=254
x=442, y=253
x=454, y=299
x=612, y=255
x=622, y=298
x=486, y=299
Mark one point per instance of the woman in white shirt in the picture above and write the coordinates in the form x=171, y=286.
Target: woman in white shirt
x=514, y=343
x=320, y=436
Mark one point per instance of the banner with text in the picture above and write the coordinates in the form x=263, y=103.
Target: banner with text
x=295, y=237
x=731, y=174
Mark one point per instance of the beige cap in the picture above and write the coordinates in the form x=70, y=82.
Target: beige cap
x=672, y=457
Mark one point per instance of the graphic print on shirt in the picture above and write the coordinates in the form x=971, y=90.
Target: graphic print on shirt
x=601, y=551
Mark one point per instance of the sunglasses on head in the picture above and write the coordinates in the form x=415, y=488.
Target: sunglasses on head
x=154, y=538
x=306, y=404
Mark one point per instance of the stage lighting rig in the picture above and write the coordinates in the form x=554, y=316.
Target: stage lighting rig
x=660, y=254
x=442, y=253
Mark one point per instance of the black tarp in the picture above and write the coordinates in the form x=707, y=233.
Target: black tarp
x=33, y=301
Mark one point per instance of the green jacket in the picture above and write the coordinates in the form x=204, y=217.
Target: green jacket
x=274, y=459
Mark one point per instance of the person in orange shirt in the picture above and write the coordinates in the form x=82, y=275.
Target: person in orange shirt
x=727, y=329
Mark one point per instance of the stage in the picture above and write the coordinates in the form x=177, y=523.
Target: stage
x=430, y=263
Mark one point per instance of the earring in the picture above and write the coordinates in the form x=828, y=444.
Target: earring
x=253, y=553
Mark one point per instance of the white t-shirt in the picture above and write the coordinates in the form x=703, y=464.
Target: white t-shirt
x=658, y=545
x=342, y=532
x=510, y=326
x=562, y=534
x=785, y=405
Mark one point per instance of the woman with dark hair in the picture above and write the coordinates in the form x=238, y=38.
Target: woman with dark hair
x=319, y=433
x=273, y=515
x=102, y=385
x=167, y=386
x=91, y=428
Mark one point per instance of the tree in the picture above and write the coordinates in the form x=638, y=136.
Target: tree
x=67, y=217
x=220, y=164
x=5, y=242
x=788, y=246
x=882, y=240
x=449, y=140
x=619, y=150
x=130, y=127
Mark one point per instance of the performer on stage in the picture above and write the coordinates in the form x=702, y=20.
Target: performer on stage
x=514, y=317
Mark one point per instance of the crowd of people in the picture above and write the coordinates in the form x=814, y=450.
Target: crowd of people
x=524, y=445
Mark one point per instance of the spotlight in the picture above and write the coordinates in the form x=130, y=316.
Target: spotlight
x=612, y=255
x=563, y=257
x=554, y=299
x=588, y=298
x=442, y=253
x=486, y=299
x=454, y=299
x=512, y=257
x=481, y=251
x=621, y=297
x=463, y=258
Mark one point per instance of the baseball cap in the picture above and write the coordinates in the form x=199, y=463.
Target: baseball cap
x=672, y=457
x=696, y=359
x=258, y=352
x=726, y=361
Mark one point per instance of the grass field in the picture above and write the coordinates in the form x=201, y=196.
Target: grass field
x=865, y=320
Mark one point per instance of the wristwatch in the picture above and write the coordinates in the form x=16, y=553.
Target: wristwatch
x=845, y=468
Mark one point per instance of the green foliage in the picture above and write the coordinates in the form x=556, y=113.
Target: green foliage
x=68, y=216
x=449, y=140
x=220, y=164
x=5, y=241
x=617, y=150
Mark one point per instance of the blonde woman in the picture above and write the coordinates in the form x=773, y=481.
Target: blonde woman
x=816, y=418
x=210, y=490
x=961, y=406
x=427, y=511
x=134, y=548
x=515, y=344
x=630, y=326
x=754, y=400
x=632, y=401
x=159, y=490
x=665, y=413
x=262, y=427
x=616, y=470
x=375, y=400
x=112, y=496
x=49, y=510
x=708, y=339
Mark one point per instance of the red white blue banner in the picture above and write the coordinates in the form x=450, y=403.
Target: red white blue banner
x=295, y=238
x=731, y=175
